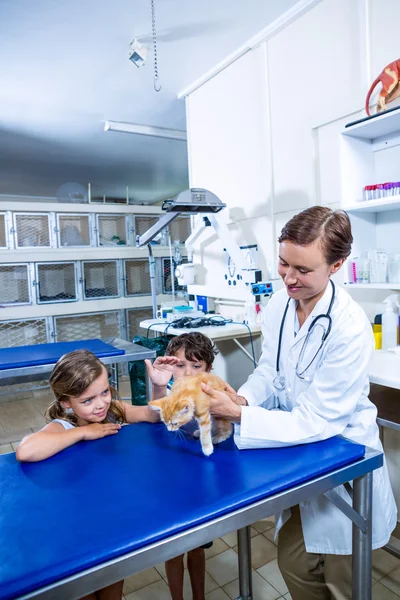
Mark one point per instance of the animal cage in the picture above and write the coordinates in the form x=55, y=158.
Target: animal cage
x=133, y=318
x=143, y=223
x=31, y=230
x=73, y=230
x=137, y=277
x=166, y=276
x=15, y=285
x=23, y=332
x=56, y=282
x=180, y=229
x=68, y=328
x=101, y=279
x=112, y=230
x=3, y=231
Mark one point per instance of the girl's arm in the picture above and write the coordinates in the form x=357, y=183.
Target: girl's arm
x=53, y=438
x=137, y=414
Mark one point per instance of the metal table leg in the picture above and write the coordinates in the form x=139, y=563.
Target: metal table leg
x=362, y=539
x=244, y=558
x=113, y=370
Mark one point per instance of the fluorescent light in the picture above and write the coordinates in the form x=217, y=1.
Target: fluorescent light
x=162, y=132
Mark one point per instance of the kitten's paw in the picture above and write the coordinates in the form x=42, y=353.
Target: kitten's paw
x=196, y=434
x=220, y=437
x=208, y=450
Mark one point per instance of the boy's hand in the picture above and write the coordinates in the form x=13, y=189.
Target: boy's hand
x=161, y=371
x=95, y=431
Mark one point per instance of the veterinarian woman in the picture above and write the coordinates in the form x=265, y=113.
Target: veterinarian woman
x=311, y=384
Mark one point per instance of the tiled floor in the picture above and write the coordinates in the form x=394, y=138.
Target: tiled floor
x=20, y=416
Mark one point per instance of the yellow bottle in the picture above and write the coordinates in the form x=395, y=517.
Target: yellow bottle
x=377, y=329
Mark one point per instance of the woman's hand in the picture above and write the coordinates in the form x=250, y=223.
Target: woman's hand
x=222, y=405
x=95, y=431
x=161, y=370
x=240, y=400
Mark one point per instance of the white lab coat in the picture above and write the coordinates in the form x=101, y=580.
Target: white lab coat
x=332, y=400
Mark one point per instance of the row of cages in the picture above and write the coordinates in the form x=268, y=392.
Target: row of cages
x=57, y=230
x=68, y=328
x=51, y=282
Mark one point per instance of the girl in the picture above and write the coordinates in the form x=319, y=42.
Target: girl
x=84, y=409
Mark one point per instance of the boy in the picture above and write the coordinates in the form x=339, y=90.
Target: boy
x=187, y=354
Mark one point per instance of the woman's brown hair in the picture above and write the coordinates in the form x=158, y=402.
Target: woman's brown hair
x=196, y=346
x=73, y=374
x=331, y=227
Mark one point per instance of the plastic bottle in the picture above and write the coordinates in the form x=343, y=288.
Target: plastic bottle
x=390, y=322
x=250, y=312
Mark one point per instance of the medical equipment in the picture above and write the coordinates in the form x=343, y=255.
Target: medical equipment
x=279, y=380
x=261, y=289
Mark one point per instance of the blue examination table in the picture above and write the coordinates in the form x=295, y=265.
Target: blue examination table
x=30, y=363
x=102, y=510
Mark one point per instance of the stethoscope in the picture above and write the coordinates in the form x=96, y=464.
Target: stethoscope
x=279, y=381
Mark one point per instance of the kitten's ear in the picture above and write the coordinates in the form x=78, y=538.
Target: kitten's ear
x=157, y=405
x=185, y=409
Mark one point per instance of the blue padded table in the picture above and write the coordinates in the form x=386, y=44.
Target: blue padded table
x=103, y=510
x=30, y=363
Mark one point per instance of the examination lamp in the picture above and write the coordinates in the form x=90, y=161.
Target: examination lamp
x=193, y=201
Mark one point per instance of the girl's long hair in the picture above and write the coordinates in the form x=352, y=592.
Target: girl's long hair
x=73, y=374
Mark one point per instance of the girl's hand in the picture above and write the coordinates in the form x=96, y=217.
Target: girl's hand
x=152, y=416
x=222, y=405
x=96, y=431
x=161, y=371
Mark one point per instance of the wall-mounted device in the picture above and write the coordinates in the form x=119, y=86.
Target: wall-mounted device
x=248, y=271
x=185, y=273
x=137, y=53
x=262, y=289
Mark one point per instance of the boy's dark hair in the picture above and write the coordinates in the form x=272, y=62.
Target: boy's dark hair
x=196, y=345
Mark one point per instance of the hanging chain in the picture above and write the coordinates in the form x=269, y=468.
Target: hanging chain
x=157, y=85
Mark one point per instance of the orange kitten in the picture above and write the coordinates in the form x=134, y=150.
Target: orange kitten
x=187, y=401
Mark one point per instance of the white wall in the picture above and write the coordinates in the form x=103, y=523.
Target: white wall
x=264, y=133
x=229, y=154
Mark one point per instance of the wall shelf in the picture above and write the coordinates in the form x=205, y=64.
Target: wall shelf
x=372, y=286
x=375, y=206
x=385, y=124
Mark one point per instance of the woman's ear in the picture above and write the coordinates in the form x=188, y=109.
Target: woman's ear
x=337, y=265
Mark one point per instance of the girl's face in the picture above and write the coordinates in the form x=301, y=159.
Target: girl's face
x=92, y=406
x=304, y=269
x=186, y=367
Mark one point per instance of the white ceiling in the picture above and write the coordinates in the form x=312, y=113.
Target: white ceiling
x=65, y=70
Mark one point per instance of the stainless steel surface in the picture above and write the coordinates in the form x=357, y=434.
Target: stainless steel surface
x=392, y=550
x=388, y=424
x=346, y=509
x=244, y=559
x=81, y=584
x=362, y=540
x=132, y=352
